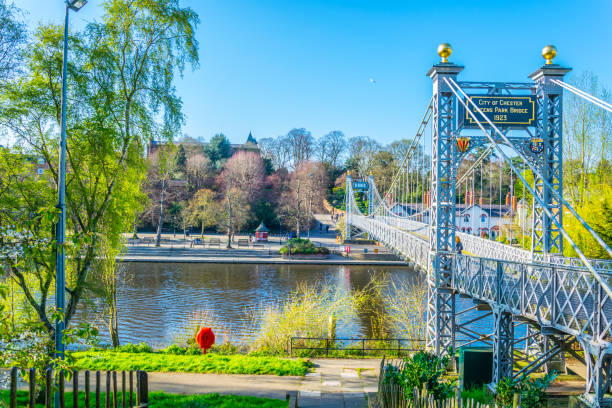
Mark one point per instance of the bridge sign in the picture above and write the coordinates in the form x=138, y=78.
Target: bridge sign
x=501, y=110
x=360, y=185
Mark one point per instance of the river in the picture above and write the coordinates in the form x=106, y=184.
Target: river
x=156, y=301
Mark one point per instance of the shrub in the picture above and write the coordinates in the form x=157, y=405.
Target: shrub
x=422, y=371
x=302, y=246
x=532, y=391
x=135, y=348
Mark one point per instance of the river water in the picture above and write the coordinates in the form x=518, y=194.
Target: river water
x=158, y=301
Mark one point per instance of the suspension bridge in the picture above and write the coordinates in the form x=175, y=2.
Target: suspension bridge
x=540, y=304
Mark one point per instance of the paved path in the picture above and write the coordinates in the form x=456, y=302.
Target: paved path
x=334, y=383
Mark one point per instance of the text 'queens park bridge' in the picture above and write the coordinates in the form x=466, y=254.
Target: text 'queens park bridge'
x=542, y=305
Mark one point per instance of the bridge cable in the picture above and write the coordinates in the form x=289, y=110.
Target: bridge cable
x=599, y=102
x=415, y=140
x=533, y=169
x=452, y=84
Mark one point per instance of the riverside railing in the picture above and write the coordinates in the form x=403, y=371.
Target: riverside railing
x=324, y=345
x=127, y=395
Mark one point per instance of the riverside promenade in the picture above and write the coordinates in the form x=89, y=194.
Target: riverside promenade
x=212, y=249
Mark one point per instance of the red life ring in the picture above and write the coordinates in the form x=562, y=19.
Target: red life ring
x=205, y=338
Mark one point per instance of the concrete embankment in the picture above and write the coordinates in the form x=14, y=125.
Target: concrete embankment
x=234, y=256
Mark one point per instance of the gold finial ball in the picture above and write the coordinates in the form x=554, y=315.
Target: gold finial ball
x=444, y=51
x=549, y=52
x=348, y=173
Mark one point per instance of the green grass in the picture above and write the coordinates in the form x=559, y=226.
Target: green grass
x=163, y=400
x=209, y=363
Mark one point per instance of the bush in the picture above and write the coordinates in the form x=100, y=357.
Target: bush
x=134, y=348
x=302, y=246
x=532, y=391
x=422, y=371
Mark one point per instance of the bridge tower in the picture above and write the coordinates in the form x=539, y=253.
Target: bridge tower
x=441, y=297
x=546, y=237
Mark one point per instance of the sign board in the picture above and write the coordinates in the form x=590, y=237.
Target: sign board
x=360, y=185
x=501, y=110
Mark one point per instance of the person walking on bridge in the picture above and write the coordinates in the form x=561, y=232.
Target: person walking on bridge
x=458, y=244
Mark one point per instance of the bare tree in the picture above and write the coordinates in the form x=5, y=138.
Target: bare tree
x=362, y=150
x=303, y=194
x=242, y=178
x=197, y=170
x=301, y=145
x=331, y=147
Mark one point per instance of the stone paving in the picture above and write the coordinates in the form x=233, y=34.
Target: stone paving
x=341, y=383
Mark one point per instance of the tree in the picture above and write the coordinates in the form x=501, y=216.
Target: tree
x=587, y=130
x=362, y=150
x=242, y=178
x=12, y=40
x=197, y=170
x=303, y=194
x=277, y=150
x=180, y=160
x=120, y=77
x=301, y=145
x=218, y=149
x=330, y=148
x=203, y=209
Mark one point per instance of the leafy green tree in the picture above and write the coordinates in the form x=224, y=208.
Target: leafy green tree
x=120, y=78
x=180, y=160
x=203, y=209
x=219, y=149
x=12, y=39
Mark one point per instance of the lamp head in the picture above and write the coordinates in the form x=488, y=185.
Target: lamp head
x=76, y=5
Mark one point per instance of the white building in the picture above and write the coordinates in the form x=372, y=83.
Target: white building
x=475, y=219
x=482, y=220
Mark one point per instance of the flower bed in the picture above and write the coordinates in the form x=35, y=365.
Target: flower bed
x=303, y=247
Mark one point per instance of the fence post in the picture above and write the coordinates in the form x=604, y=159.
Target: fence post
x=115, y=402
x=131, y=388
x=326, y=347
x=516, y=401
x=123, y=401
x=362, y=348
x=48, y=375
x=87, y=388
x=98, y=389
x=62, y=400
x=13, y=397
x=32, y=383
x=108, y=390
x=143, y=389
x=75, y=389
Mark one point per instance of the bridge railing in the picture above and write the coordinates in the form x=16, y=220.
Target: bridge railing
x=560, y=297
x=406, y=245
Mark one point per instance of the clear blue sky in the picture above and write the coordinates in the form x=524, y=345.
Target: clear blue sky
x=267, y=66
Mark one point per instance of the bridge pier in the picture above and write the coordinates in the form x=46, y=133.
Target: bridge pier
x=503, y=344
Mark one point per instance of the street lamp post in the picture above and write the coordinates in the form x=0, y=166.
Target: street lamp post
x=60, y=231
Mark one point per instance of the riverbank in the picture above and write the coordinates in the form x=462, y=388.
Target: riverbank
x=211, y=248
x=257, y=261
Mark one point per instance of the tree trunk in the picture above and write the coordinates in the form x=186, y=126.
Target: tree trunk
x=229, y=216
x=113, y=327
x=161, y=214
x=297, y=232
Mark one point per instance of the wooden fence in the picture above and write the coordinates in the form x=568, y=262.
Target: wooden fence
x=394, y=395
x=128, y=395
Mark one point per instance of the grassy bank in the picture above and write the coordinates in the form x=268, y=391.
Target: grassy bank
x=164, y=400
x=209, y=363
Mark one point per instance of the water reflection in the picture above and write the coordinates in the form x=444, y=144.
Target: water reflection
x=157, y=299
